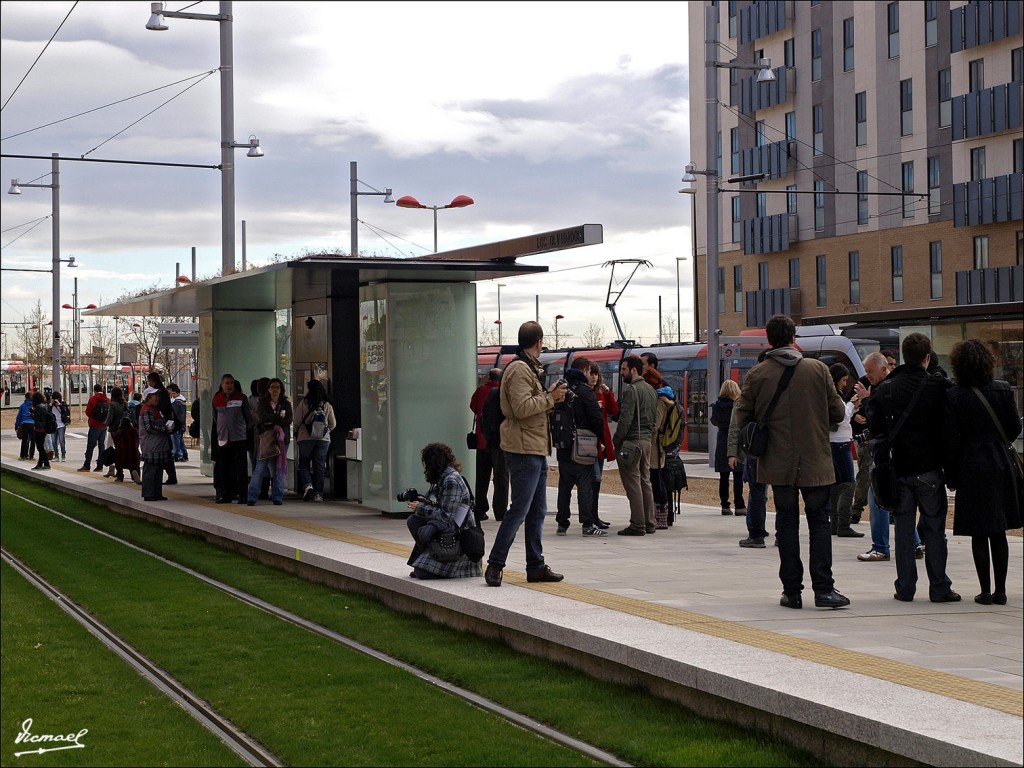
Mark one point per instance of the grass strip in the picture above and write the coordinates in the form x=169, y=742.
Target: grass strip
x=629, y=722
x=54, y=671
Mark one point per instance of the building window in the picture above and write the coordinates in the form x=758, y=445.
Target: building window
x=791, y=198
x=931, y=23
x=734, y=142
x=862, y=197
x=855, y=277
x=762, y=275
x=759, y=132
x=981, y=252
x=1017, y=65
x=762, y=204
x=906, y=107
x=732, y=18
x=737, y=223
x=847, y=45
x=861, y=110
x=819, y=280
x=945, y=99
x=894, y=29
x=935, y=267
x=721, y=290
x=815, y=55
x=737, y=294
x=789, y=53
x=976, y=75
x=791, y=126
x=1018, y=155
x=819, y=206
x=897, y=273
x=794, y=273
x=978, y=164
x=818, y=120
x=934, y=186
x=908, y=188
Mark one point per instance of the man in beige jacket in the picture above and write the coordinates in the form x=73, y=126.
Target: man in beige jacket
x=526, y=443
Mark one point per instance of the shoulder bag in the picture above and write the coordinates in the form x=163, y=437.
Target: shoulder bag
x=629, y=454
x=471, y=436
x=267, y=447
x=1016, y=461
x=883, y=474
x=754, y=435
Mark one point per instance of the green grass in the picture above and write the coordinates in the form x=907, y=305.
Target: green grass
x=638, y=727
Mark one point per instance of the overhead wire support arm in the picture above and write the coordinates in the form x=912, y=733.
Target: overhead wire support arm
x=609, y=302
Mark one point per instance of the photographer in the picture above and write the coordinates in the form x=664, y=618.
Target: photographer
x=581, y=402
x=447, y=507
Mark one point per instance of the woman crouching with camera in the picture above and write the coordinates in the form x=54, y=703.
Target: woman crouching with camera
x=436, y=518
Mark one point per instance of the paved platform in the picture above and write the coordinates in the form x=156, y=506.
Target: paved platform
x=687, y=613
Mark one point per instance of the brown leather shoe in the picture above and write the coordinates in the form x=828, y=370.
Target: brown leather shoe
x=492, y=575
x=544, y=574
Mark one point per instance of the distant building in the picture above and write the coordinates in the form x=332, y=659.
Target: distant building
x=869, y=97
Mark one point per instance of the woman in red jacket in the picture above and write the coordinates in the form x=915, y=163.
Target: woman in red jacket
x=609, y=407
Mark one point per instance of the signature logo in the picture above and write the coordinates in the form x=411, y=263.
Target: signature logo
x=70, y=740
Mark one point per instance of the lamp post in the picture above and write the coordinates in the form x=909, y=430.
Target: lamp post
x=227, y=121
x=711, y=67
x=500, y=286
x=557, y=318
x=55, y=225
x=76, y=336
x=354, y=193
x=459, y=201
x=693, y=254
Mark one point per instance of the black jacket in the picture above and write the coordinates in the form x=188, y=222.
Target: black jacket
x=586, y=413
x=918, y=447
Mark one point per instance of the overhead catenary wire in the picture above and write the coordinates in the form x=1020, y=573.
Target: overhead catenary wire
x=33, y=66
x=37, y=223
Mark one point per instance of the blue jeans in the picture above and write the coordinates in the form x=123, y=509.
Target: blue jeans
x=528, y=476
x=312, y=461
x=757, y=503
x=787, y=532
x=60, y=447
x=880, y=527
x=178, y=449
x=266, y=467
x=97, y=438
x=927, y=492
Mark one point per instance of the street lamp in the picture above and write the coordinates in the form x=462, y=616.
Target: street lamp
x=498, y=321
x=711, y=67
x=557, y=318
x=460, y=201
x=55, y=224
x=76, y=336
x=693, y=254
x=354, y=193
x=227, y=122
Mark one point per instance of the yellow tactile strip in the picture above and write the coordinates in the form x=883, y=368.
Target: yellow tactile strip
x=933, y=681
x=976, y=692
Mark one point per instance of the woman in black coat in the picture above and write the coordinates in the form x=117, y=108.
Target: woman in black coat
x=721, y=415
x=978, y=463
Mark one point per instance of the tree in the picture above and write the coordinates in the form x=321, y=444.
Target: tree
x=487, y=335
x=593, y=337
x=35, y=340
x=668, y=328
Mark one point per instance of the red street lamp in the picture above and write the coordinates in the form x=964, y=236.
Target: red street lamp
x=459, y=201
x=183, y=279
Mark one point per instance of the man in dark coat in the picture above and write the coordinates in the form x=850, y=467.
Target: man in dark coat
x=917, y=458
x=586, y=414
x=798, y=460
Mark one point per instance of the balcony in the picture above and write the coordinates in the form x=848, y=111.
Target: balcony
x=754, y=95
x=773, y=160
x=762, y=18
x=769, y=234
x=991, y=110
x=762, y=305
x=988, y=201
x=994, y=285
x=981, y=22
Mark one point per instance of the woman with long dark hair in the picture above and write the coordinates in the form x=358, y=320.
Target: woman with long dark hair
x=314, y=422
x=115, y=413
x=447, y=507
x=979, y=466
x=272, y=431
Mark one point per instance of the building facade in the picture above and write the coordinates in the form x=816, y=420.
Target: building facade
x=888, y=165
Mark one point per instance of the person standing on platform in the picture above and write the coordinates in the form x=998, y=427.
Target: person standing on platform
x=488, y=458
x=231, y=425
x=637, y=413
x=314, y=423
x=154, y=444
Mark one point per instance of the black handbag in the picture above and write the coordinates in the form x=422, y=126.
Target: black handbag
x=471, y=436
x=472, y=540
x=754, y=434
x=445, y=547
x=1016, y=462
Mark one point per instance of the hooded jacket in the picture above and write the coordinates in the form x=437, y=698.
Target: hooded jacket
x=586, y=412
x=798, y=451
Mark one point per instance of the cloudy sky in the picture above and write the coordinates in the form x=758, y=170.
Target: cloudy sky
x=548, y=114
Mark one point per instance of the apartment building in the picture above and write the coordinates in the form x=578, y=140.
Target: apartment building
x=885, y=167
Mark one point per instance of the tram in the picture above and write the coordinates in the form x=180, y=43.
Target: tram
x=684, y=367
x=17, y=378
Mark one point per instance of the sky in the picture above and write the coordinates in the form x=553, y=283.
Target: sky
x=547, y=114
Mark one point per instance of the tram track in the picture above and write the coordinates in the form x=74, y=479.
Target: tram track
x=241, y=743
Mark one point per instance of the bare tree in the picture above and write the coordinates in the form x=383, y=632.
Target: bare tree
x=36, y=342
x=668, y=328
x=593, y=337
x=487, y=335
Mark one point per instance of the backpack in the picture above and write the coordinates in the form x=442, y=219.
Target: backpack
x=562, y=426
x=672, y=427
x=491, y=417
x=65, y=413
x=674, y=473
x=50, y=422
x=317, y=425
x=99, y=413
x=132, y=412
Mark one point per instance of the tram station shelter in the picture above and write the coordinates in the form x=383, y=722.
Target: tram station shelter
x=392, y=340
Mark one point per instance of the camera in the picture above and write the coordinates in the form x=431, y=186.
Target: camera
x=569, y=394
x=863, y=438
x=409, y=494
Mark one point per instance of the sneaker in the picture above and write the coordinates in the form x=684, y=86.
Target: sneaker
x=593, y=530
x=751, y=543
x=307, y=493
x=919, y=552
x=318, y=497
x=631, y=531
x=873, y=556
x=561, y=530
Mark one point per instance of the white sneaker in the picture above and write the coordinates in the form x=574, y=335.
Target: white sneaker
x=318, y=497
x=307, y=493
